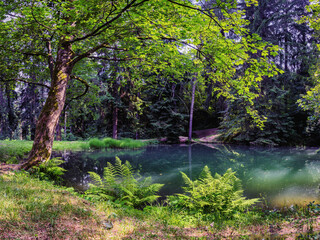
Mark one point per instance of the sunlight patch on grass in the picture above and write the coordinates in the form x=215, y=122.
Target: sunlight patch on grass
x=70, y=145
x=30, y=208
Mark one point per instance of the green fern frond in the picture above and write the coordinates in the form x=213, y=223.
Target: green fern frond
x=118, y=167
x=111, y=169
x=221, y=195
x=96, y=179
x=187, y=181
x=109, y=176
x=123, y=185
x=205, y=173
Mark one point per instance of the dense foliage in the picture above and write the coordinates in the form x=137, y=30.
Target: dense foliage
x=120, y=184
x=50, y=170
x=144, y=69
x=218, y=197
x=127, y=57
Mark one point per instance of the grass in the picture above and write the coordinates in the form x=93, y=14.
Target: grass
x=124, y=143
x=70, y=145
x=96, y=143
x=128, y=143
x=12, y=151
x=34, y=209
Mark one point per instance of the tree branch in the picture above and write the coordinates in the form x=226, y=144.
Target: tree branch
x=25, y=53
x=82, y=81
x=198, y=9
x=81, y=95
x=26, y=81
x=46, y=27
x=101, y=28
x=89, y=52
x=114, y=59
x=50, y=58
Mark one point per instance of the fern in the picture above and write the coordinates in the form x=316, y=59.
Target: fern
x=120, y=184
x=96, y=179
x=49, y=170
x=220, y=196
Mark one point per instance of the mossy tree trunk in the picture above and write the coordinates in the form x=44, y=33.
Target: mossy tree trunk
x=49, y=116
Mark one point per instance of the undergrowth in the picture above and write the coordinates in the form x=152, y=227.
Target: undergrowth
x=210, y=206
x=214, y=198
x=122, y=186
x=35, y=209
x=31, y=209
x=49, y=170
x=12, y=151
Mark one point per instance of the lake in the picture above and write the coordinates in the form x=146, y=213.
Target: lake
x=282, y=176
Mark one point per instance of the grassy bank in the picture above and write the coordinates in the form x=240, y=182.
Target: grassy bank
x=128, y=143
x=13, y=151
x=34, y=209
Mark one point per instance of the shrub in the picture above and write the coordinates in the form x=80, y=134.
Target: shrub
x=122, y=185
x=96, y=143
x=123, y=143
x=219, y=196
x=131, y=143
x=111, y=143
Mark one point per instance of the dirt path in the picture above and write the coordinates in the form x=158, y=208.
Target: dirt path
x=204, y=136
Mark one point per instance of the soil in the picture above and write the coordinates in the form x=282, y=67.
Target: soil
x=204, y=136
x=9, y=168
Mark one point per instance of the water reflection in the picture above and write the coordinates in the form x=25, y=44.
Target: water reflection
x=279, y=174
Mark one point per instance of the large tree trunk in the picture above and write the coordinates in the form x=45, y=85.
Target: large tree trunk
x=49, y=116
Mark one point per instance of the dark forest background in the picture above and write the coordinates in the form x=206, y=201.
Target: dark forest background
x=158, y=105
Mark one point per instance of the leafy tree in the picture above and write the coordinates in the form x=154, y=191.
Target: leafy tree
x=64, y=33
x=310, y=101
x=275, y=21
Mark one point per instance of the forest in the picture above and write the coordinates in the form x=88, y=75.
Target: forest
x=97, y=74
x=141, y=88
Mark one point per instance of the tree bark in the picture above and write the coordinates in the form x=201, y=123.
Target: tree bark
x=115, y=109
x=65, y=124
x=193, y=84
x=11, y=116
x=115, y=122
x=209, y=95
x=58, y=132
x=49, y=116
